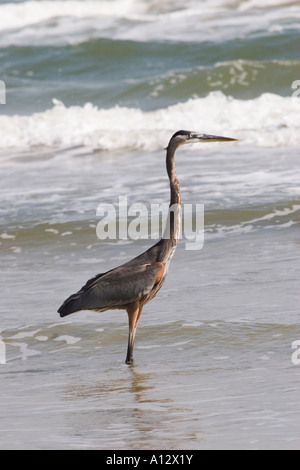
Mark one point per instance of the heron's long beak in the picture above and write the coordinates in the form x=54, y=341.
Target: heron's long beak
x=210, y=138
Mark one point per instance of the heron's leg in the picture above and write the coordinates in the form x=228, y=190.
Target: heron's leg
x=134, y=313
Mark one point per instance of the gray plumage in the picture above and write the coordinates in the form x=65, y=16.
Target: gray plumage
x=133, y=284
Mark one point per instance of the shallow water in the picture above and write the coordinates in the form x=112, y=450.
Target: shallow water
x=213, y=355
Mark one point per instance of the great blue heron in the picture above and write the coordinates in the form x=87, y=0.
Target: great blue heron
x=131, y=285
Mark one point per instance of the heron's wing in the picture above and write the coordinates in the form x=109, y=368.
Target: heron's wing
x=116, y=288
x=150, y=256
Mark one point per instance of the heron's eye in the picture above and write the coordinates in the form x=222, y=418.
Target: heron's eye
x=191, y=136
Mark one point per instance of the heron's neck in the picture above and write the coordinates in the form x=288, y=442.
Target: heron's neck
x=172, y=230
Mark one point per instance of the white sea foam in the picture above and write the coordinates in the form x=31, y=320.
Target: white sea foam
x=25, y=350
x=25, y=334
x=18, y=15
x=72, y=21
x=6, y=236
x=268, y=120
x=68, y=339
x=219, y=231
x=276, y=213
x=248, y=4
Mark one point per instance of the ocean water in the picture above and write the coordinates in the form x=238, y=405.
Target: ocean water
x=93, y=92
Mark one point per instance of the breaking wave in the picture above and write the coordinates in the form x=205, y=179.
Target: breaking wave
x=269, y=120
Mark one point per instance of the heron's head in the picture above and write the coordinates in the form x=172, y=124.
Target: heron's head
x=190, y=137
